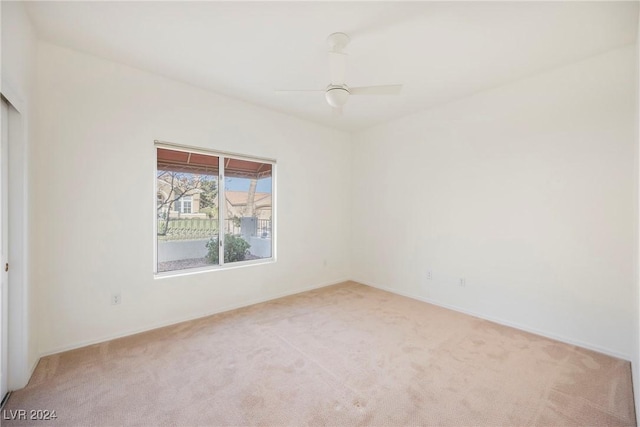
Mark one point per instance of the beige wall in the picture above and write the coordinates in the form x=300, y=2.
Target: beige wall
x=112, y=114
x=527, y=191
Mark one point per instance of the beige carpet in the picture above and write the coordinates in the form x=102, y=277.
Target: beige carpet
x=344, y=355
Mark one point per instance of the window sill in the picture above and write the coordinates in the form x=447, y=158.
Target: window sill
x=199, y=270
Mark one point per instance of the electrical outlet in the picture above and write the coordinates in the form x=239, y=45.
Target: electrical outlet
x=116, y=299
x=429, y=275
x=463, y=282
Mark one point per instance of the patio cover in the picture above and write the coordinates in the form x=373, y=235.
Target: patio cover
x=184, y=161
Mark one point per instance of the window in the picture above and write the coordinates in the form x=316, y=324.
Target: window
x=183, y=205
x=212, y=209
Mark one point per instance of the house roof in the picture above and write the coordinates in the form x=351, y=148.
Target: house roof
x=239, y=198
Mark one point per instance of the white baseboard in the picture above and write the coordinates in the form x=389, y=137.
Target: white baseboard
x=183, y=319
x=33, y=368
x=504, y=322
x=500, y=321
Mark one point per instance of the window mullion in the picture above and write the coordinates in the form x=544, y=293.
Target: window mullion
x=221, y=208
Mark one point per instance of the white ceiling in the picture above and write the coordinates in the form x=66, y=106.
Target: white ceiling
x=440, y=51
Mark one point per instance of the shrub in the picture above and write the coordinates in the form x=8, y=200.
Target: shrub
x=211, y=212
x=235, y=249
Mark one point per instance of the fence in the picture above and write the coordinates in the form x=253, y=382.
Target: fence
x=264, y=228
x=202, y=228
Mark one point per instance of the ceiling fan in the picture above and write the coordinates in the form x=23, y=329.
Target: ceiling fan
x=337, y=92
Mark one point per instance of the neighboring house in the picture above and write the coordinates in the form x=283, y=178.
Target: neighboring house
x=237, y=205
x=187, y=206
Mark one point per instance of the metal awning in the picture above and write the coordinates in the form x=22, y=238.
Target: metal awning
x=184, y=161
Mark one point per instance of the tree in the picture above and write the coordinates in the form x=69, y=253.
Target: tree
x=251, y=197
x=209, y=195
x=173, y=185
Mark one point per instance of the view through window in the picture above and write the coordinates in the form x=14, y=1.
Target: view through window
x=201, y=223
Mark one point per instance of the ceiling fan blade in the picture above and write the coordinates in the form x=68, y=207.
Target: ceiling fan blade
x=337, y=67
x=376, y=90
x=299, y=90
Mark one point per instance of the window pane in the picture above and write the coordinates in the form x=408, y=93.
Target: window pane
x=185, y=204
x=248, y=205
x=187, y=210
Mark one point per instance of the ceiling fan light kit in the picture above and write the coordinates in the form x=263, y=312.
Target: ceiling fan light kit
x=337, y=95
x=337, y=92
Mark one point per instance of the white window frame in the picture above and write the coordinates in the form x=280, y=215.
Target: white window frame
x=221, y=210
x=182, y=200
